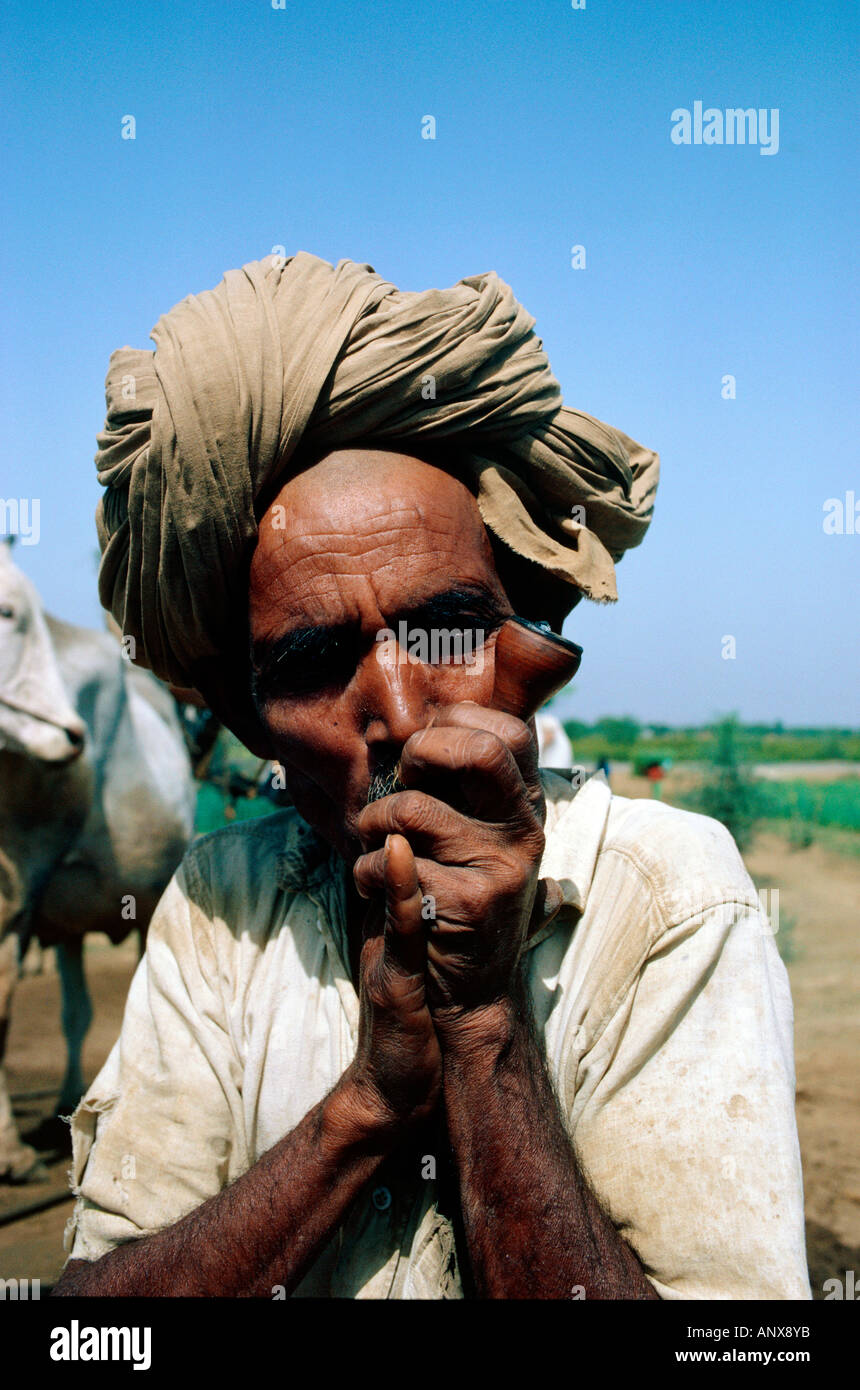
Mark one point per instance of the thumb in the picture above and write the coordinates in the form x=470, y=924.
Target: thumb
x=404, y=926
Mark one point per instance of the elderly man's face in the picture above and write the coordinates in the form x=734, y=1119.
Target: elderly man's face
x=355, y=545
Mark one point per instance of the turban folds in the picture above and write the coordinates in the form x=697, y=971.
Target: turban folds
x=295, y=352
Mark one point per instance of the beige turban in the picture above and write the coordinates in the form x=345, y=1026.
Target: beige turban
x=294, y=352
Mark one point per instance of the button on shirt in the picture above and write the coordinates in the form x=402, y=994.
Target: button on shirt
x=658, y=994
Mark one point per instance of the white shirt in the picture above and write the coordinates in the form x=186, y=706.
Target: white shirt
x=659, y=994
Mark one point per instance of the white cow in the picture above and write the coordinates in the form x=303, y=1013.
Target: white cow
x=96, y=810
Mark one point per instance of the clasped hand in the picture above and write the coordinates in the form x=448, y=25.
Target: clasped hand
x=465, y=841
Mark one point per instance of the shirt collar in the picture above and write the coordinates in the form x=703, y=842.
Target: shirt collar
x=576, y=813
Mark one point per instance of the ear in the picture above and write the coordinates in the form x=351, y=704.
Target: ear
x=532, y=590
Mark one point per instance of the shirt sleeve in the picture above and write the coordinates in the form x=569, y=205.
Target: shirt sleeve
x=689, y=1136
x=160, y=1130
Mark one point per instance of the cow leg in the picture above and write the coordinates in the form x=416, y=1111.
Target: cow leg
x=77, y=1017
x=18, y=1162
x=32, y=959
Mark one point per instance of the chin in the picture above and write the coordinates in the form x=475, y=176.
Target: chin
x=340, y=833
x=326, y=814
x=347, y=842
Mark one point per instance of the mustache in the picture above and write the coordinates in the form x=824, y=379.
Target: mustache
x=385, y=781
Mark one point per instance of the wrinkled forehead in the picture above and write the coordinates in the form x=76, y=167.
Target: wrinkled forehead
x=365, y=517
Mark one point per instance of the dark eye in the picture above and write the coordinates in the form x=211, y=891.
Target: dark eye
x=319, y=667
x=6, y=611
x=456, y=645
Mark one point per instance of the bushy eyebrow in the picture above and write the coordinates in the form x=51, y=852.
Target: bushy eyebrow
x=315, y=642
x=307, y=644
x=450, y=606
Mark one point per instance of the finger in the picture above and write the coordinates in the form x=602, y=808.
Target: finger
x=476, y=762
x=455, y=897
x=519, y=737
x=433, y=827
x=404, y=927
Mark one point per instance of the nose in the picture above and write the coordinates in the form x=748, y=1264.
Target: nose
x=395, y=695
x=75, y=731
x=76, y=736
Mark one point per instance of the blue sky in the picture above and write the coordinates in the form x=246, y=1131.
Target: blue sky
x=301, y=128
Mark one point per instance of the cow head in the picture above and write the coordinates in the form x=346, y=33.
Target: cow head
x=37, y=718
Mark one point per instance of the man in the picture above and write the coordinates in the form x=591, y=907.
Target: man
x=369, y=1053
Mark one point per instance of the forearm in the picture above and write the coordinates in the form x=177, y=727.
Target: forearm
x=262, y=1231
x=533, y=1226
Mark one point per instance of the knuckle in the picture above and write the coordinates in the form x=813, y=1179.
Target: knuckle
x=410, y=806
x=406, y=989
x=486, y=748
x=520, y=739
x=482, y=887
x=513, y=875
x=377, y=984
x=367, y=870
x=375, y=996
x=527, y=830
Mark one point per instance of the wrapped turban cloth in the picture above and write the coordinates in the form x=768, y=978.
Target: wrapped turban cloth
x=201, y=434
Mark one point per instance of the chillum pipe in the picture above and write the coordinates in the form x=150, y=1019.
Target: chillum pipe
x=531, y=665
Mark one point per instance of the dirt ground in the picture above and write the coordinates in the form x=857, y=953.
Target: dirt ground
x=819, y=916
x=32, y=1248
x=819, y=893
